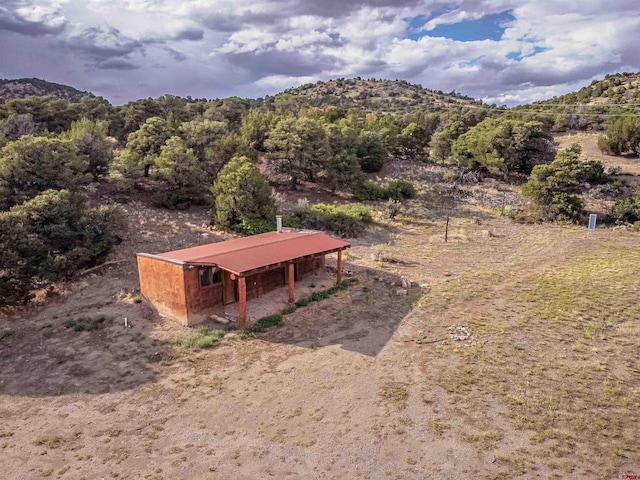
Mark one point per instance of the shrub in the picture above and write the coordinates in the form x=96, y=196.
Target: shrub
x=627, y=210
x=241, y=193
x=554, y=187
x=303, y=302
x=263, y=324
x=50, y=237
x=204, y=338
x=85, y=323
x=345, y=220
x=399, y=189
x=369, y=191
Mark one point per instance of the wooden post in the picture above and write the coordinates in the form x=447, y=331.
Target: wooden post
x=446, y=230
x=339, y=267
x=242, y=308
x=292, y=275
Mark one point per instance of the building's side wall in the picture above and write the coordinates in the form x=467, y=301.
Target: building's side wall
x=162, y=284
x=310, y=266
x=200, y=299
x=261, y=283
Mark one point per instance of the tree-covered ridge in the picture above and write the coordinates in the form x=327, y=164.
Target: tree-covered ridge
x=26, y=87
x=619, y=89
x=384, y=96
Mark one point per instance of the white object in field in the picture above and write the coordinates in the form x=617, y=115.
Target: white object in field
x=126, y=322
x=592, y=222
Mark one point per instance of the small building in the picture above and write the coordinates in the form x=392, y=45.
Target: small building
x=188, y=285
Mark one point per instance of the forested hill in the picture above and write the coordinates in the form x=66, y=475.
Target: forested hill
x=619, y=89
x=384, y=96
x=26, y=87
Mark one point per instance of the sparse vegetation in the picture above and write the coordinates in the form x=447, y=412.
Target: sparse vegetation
x=87, y=324
x=204, y=338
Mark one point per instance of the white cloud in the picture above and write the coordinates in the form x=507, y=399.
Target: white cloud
x=214, y=49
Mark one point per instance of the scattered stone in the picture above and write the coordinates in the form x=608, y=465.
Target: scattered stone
x=405, y=282
x=401, y=291
x=459, y=333
x=424, y=285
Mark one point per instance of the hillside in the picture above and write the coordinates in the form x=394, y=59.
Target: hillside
x=617, y=89
x=386, y=96
x=26, y=87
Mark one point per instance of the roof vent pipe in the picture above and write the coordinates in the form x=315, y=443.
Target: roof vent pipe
x=279, y=223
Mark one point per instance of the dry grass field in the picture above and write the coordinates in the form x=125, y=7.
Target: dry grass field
x=366, y=384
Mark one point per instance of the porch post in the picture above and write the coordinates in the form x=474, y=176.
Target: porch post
x=339, y=267
x=242, y=308
x=292, y=295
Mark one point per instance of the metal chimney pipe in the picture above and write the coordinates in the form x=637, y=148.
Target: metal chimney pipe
x=279, y=223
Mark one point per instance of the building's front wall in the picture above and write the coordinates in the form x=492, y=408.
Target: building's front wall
x=200, y=299
x=176, y=292
x=162, y=283
x=310, y=266
x=264, y=282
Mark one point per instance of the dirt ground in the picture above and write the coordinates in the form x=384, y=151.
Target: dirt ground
x=366, y=384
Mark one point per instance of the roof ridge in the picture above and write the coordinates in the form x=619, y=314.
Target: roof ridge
x=254, y=246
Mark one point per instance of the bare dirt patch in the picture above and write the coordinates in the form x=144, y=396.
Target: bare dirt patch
x=348, y=387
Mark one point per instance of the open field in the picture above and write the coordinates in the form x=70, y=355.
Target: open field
x=366, y=384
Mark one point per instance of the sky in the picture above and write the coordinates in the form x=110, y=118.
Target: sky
x=501, y=51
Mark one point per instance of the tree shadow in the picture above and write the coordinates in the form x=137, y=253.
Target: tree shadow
x=67, y=347
x=361, y=319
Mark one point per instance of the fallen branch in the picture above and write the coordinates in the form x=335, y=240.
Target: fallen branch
x=421, y=342
x=112, y=262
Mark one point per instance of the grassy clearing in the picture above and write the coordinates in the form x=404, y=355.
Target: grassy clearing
x=205, y=337
x=560, y=351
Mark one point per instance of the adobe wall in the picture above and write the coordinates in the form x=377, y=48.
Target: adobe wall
x=200, y=299
x=261, y=283
x=162, y=284
x=310, y=266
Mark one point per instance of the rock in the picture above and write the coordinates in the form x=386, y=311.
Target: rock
x=405, y=282
x=424, y=285
x=217, y=318
x=447, y=274
x=401, y=291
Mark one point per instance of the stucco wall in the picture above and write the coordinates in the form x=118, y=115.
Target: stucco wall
x=162, y=284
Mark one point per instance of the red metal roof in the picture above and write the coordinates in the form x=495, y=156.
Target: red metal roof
x=242, y=255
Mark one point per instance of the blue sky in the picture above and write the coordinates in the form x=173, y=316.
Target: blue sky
x=501, y=51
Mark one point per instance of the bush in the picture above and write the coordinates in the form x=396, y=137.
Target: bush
x=303, y=302
x=627, y=210
x=263, y=324
x=554, y=187
x=50, y=237
x=242, y=193
x=204, y=338
x=345, y=220
x=369, y=191
x=400, y=189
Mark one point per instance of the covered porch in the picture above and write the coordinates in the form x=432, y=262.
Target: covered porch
x=272, y=301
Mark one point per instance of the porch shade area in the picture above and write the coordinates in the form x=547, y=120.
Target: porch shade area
x=249, y=266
